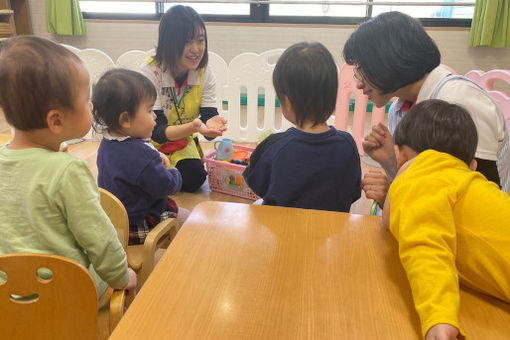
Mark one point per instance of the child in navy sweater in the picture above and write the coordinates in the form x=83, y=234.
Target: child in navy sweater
x=128, y=165
x=312, y=165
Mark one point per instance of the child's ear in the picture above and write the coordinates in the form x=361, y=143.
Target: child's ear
x=124, y=120
x=404, y=153
x=473, y=165
x=287, y=104
x=402, y=156
x=55, y=121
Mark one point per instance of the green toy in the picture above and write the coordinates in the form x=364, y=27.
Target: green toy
x=264, y=135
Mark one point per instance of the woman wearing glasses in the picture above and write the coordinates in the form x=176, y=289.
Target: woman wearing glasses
x=394, y=57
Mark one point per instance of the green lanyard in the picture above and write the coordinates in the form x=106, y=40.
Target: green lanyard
x=177, y=103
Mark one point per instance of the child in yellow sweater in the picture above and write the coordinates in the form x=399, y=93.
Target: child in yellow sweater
x=450, y=222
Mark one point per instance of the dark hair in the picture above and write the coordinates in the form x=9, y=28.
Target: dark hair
x=392, y=51
x=119, y=90
x=36, y=76
x=441, y=126
x=178, y=25
x=307, y=74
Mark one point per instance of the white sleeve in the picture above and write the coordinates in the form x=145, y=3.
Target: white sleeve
x=150, y=72
x=209, y=89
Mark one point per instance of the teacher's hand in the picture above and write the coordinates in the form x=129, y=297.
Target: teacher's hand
x=379, y=144
x=217, y=123
x=203, y=129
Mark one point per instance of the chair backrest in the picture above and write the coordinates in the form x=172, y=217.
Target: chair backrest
x=63, y=306
x=346, y=87
x=486, y=80
x=117, y=213
x=96, y=62
x=132, y=60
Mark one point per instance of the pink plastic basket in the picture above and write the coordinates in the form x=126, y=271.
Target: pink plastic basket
x=228, y=177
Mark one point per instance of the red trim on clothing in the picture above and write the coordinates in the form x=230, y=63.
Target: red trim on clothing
x=184, y=83
x=408, y=105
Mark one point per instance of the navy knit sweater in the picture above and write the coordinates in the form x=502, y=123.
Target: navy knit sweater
x=305, y=170
x=132, y=171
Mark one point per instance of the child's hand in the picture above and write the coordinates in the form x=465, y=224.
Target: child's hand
x=131, y=285
x=201, y=128
x=164, y=160
x=375, y=184
x=443, y=331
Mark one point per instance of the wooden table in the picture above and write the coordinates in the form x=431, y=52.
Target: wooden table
x=238, y=271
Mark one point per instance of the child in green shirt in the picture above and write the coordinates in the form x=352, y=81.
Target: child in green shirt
x=49, y=200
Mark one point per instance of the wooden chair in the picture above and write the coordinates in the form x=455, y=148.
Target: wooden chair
x=63, y=305
x=140, y=257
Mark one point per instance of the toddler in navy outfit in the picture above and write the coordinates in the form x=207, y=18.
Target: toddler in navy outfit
x=128, y=165
x=312, y=165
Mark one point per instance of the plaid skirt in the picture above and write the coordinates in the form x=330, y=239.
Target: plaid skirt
x=137, y=234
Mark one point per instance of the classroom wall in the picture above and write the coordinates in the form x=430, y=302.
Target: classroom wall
x=229, y=40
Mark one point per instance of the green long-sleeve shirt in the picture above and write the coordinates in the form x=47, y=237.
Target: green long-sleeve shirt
x=49, y=203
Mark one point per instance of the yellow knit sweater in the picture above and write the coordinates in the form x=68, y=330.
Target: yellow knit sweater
x=450, y=224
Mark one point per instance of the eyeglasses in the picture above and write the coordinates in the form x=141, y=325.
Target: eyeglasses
x=357, y=75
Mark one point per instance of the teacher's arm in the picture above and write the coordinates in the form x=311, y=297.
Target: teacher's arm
x=163, y=132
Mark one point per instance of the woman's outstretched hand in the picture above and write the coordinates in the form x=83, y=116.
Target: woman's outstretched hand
x=214, y=127
x=217, y=123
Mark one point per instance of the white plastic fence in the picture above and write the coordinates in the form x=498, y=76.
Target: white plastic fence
x=247, y=73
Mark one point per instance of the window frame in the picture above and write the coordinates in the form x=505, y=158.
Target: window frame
x=259, y=13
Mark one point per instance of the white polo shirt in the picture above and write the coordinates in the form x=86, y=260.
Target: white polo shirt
x=485, y=112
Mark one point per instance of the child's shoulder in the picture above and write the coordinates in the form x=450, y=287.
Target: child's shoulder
x=40, y=156
x=344, y=136
x=64, y=160
x=268, y=146
x=128, y=143
x=271, y=140
x=45, y=164
x=130, y=149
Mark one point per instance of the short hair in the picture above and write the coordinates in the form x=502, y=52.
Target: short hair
x=307, y=75
x=441, y=126
x=178, y=25
x=36, y=76
x=119, y=90
x=392, y=51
